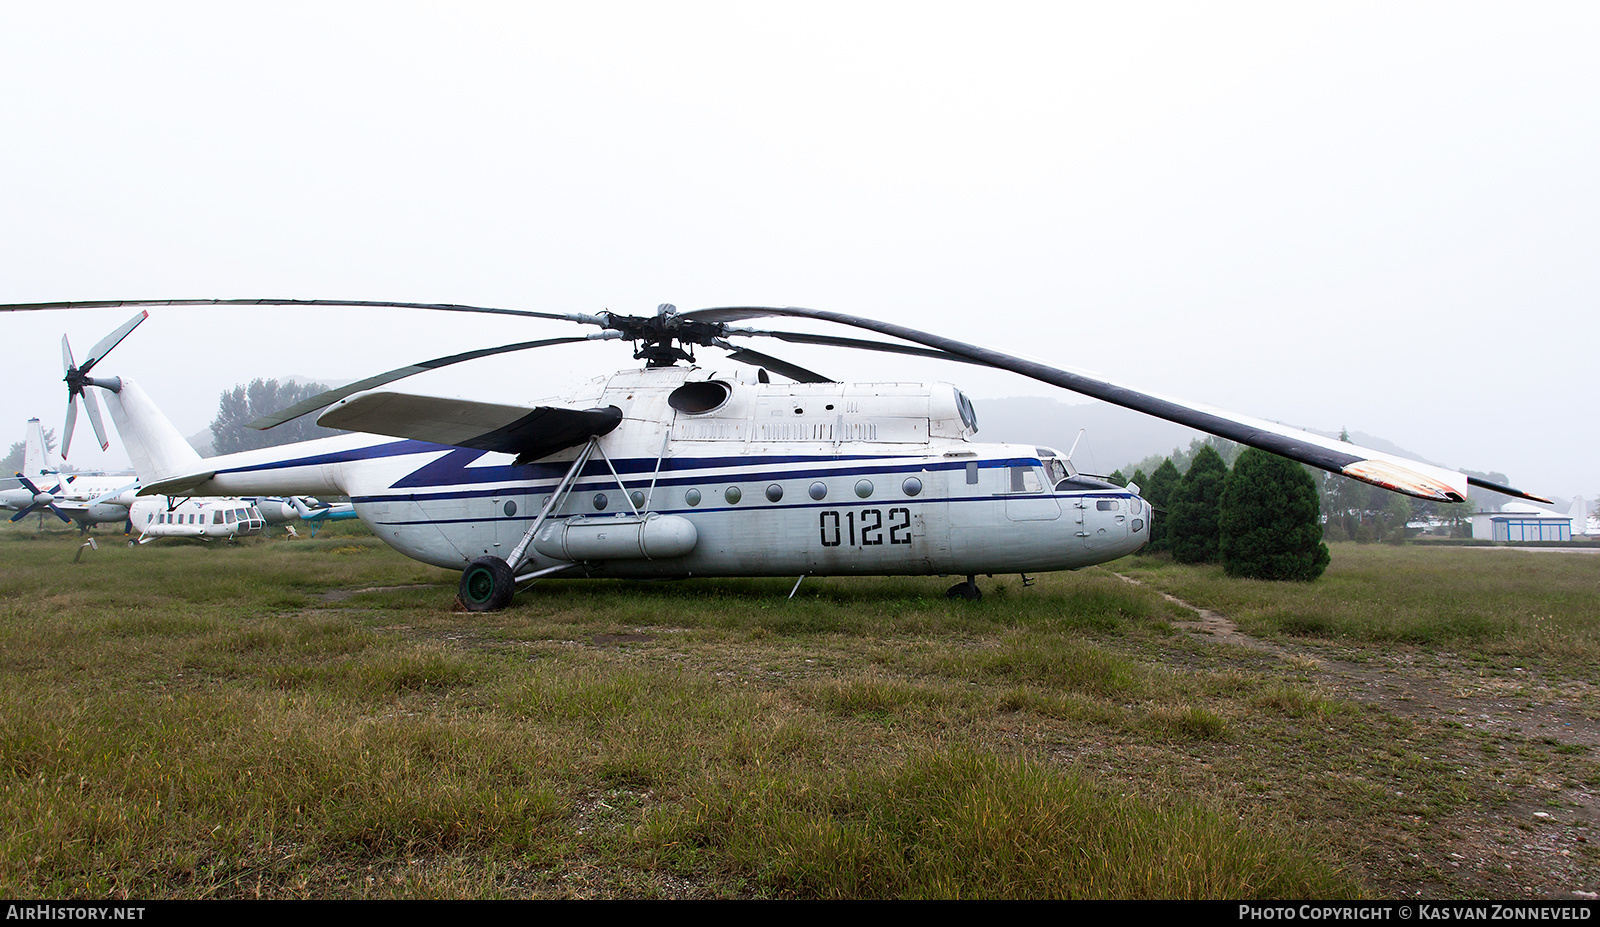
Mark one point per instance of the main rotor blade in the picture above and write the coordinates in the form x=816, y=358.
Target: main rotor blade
x=1389, y=471
x=793, y=371
x=332, y=396
x=837, y=342
x=442, y=307
x=108, y=342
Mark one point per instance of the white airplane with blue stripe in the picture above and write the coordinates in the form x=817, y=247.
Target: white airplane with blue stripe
x=674, y=470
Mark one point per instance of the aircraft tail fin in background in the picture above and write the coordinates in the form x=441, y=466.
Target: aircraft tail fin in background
x=36, y=460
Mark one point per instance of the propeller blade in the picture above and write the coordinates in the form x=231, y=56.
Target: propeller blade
x=792, y=371
x=322, y=400
x=110, y=341
x=443, y=307
x=1389, y=471
x=66, y=356
x=93, y=406
x=72, y=418
x=39, y=499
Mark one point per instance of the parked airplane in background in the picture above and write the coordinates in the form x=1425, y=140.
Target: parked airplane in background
x=674, y=471
x=100, y=499
x=88, y=499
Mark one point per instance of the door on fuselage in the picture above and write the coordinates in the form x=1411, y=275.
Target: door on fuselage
x=1027, y=498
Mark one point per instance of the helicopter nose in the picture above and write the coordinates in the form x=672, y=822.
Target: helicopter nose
x=1117, y=524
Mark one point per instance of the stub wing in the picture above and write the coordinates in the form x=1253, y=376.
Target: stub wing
x=530, y=433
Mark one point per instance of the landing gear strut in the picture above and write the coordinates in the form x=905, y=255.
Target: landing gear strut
x=968, y=590
x=487, y=585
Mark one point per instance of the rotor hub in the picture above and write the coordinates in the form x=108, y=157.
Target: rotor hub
x=665, y=338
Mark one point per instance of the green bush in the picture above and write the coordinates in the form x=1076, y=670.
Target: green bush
x=1269, y=521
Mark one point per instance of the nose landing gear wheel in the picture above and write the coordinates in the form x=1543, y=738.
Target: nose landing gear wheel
x=487, y=585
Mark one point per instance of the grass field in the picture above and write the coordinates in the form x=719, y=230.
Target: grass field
x=314, y=719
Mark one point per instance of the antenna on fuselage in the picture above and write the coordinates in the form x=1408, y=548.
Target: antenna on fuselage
x=1074, y=448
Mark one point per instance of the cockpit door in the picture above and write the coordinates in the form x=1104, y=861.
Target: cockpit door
x=1028, y=499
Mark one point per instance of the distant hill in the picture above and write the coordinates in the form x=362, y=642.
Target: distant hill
x=1113, y=436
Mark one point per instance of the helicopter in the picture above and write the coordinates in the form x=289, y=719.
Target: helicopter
x=674, y=471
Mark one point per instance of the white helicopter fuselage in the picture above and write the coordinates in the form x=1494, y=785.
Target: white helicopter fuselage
x=712, y=476
x=210, y=519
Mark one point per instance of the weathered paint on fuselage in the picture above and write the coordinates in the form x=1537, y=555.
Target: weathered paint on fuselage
x=779, y=479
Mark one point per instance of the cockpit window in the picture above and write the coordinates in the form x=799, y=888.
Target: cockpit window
x=1025, y=479
x=1058, y=469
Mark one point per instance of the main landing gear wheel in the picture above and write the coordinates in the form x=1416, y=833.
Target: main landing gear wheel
x=487, y=585
x=968, y=590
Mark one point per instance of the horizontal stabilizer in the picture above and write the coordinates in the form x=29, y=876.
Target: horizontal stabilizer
x=530, y=433
x=181, y=485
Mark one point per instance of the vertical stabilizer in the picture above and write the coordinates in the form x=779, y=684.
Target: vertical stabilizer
x=36, y=460
x=154, y=445
x=1581, y=522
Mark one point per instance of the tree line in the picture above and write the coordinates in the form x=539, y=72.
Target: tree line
x=245, y=403
x=1261, y=518
x=1350, y=510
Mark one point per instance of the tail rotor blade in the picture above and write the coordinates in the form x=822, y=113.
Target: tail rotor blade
x=94, y=419
x=72, y=418
x=110, y=341
x=66, y=356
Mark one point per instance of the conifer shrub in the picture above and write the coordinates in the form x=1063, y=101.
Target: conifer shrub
x=1269, y=521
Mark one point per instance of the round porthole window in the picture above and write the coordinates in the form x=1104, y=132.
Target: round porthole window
x=819, y=490
x=864, y=488
x=774, y=492
x=692, y=497
x=912, y=486
x=733, y=495
x=638, y=499
x=600, y=501
x=510, y=509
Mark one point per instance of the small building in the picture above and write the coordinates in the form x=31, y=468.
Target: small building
x=1518, y=522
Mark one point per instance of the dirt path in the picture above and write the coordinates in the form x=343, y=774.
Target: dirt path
x=1545, y=844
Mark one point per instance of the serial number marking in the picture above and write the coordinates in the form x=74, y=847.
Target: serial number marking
x=864, y=527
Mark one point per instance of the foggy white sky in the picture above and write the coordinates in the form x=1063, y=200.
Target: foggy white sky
x=1378, y=216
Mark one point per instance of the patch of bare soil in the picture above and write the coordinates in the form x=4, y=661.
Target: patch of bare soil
x=1537, y=735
